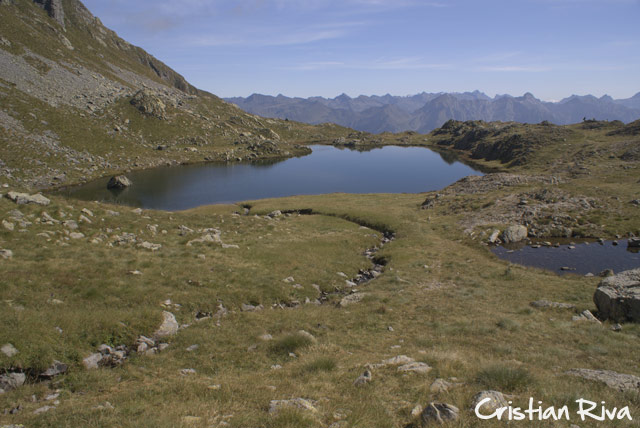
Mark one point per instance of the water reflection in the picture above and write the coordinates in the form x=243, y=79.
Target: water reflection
x=327, y=169
x=586, y=256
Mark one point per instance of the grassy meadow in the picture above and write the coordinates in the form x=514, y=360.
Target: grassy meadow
x=443, y=299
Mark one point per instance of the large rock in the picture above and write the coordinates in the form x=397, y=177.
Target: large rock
x=633, y=243
x=169, y=326
x=25, y=198
x=620, y=381
x=438, y=414
x=618, y=297
x=56, y=369
x=493, y=400
x=11, y=381
x=119, y=182
x=5, y=254
x=514, y=233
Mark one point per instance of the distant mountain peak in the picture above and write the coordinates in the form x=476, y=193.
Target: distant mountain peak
x=426, y=111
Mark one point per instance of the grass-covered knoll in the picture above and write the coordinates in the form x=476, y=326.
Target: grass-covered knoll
x=450, y=303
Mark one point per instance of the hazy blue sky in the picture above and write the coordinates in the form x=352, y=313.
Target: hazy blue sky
x=552, y=48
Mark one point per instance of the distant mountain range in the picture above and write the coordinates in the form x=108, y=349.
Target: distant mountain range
x=427, y=111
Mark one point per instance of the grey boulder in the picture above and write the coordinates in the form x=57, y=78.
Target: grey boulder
x=514, y=233
x=119, y=182
x=618, y=297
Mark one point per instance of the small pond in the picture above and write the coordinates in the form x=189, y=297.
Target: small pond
x=389, y=169
x=585, y=257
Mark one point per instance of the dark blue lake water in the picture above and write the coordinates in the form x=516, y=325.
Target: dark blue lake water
x=328, y=169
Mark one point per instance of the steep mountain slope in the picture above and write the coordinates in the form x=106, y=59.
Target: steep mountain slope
x=77, y=102
x=425, y=112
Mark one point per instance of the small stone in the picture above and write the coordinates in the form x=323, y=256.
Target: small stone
x=363, y=379
x=43, y=410
x=191, y=420
x=415, y=412
x=351, y=299
x=440, y=385
x=6, y=254
x=397, y=361
x=192, y=348
x=606, y=272
x=616, y=327
x=70, y=224
x=92, y=362
x=105, y=349
x=9, y=350
x=294, y=403
x=586, y=316
x=7, y=225
x=150, y=246
x=251, y=308
x=265, y=337
x=554, y=305
x=307, y=335
x=51, y=397
x=169, y=326
x=186, y=372
x=56, y=369
x=415, y=367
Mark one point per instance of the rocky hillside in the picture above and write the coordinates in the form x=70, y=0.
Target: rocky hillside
x=77, y=102
x=427, y=111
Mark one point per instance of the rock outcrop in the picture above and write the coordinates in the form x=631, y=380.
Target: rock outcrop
x=53, y=8
x=618, y=297
x=149, y=103
x=25, y=198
